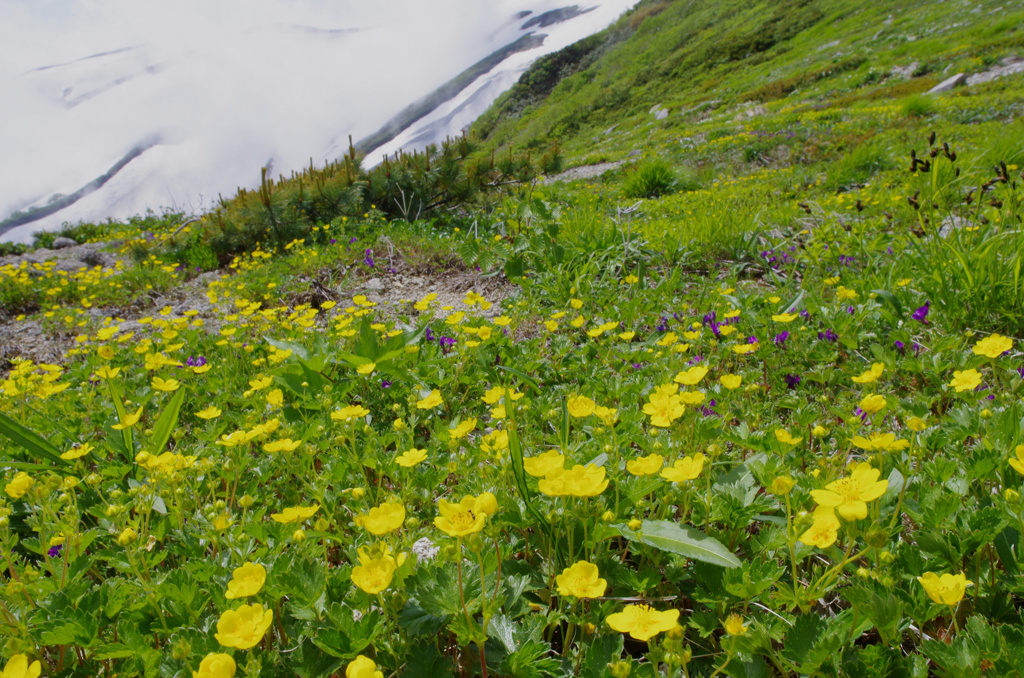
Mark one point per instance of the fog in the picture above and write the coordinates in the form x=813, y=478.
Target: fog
x=223, y=87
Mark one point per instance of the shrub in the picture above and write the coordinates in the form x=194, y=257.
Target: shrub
x=650, y=180
x=919, y=106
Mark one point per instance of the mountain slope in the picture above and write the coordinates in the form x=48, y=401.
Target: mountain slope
x=686, y=55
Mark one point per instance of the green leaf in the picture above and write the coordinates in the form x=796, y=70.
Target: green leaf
x=890, y=298
x=298, y=350
x=680, y=539
x=424, y=661
x=165, y=424
x=604, y=650
x=33, y=443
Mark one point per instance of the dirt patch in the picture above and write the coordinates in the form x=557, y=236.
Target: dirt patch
x=29, y=339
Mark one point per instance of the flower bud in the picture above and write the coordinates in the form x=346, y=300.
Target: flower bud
x=608, y=516
x=299, y=535
x=246, y=501
x=181, y=650
x=782, y=485
x=620, y=669
x=887, y=557
x=127, y=536
x=358, y=493
x=1011, y=496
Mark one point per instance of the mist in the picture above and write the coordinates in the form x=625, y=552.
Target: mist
x=223, y=87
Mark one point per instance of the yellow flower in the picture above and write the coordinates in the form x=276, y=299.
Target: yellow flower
x=550, y=325
x=294, y=514
x=645, y=466
x=275, y=398
x=993, y=346
x=129, y=420
x=664, y=409
x=824, y=530
x=385, y=518
x=77, y=451
x=366, y=368
x=211, y=412
x=731, y=381
x=282, y=445
x=684, y=469
x=872, y=375
x=431, y=401
x=18, y=667
x=819, y=431
x=627, y=336
x=917, y=424
x=581, y=406
x=785, y=317
x=968, y=380
x=349, y=412
x=246, y=581
x=165, y=384
x=743, y=349
x=21, y=484
x=783, y=436
x=106, y=372
x=215, y=665
x=872, y=403
x=495, y=441
x=947, y=589
x=692, y=376
x=607, y=415
x=373, y=575
x=1018, y=463
x=642, y=622
x=585, y=481
x=244, y=626
x=411, y=457
x=362, y=667
x=458, y=520
x=734, y=625
x=463, y=429
x=849, y=495
x=543, y=464
x=885, y=442
x=581, y=581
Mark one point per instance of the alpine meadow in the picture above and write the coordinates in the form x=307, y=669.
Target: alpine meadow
x=700, y=353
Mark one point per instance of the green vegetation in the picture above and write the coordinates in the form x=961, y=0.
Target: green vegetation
x=747, y=403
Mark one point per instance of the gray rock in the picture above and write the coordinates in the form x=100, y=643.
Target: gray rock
x=373, y=285
x=661, y=115
x=69, y=265
x=95, y=258
x=905, y=72
x=62, y=243
x=636, y=152
x=949, y=83
x=828, y=45
x=654, y=109
x=1010, y=66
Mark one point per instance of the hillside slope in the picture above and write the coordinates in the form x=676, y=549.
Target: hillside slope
x=690, y=57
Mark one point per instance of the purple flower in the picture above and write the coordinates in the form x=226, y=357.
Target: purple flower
x=55, y=550
x=791, y=380
x=851, y=310
x=900, y=346
x=708, y=410
x=828, y=335
x=695, y=359
x=428, y=335
x=446, y=343
x=196, y=361
x=921, y=313
x=334, y=240
x=781, y=337
x=751, y=339
x=637, y=366
x=384, y=384
x=368, y=259
x=663, y=325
